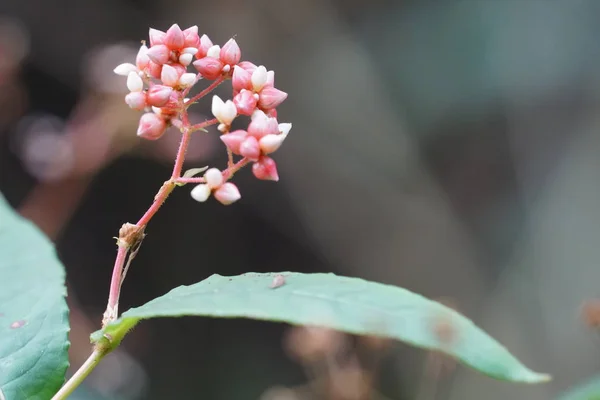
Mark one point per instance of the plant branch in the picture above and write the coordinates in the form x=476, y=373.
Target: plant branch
x=205, y=91
x=77, y=378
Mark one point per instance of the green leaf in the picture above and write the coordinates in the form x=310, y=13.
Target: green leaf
x=34, y=320
x=193, y=172
x=589, y=390
x=347, y=304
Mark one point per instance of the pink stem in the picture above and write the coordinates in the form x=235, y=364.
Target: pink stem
x=203, y=125
x=112, y=308
x=205, y=91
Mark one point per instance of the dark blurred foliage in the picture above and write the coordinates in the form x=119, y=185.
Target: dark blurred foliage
x=448, y=147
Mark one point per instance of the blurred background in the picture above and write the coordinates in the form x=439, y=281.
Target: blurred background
x=449, y=147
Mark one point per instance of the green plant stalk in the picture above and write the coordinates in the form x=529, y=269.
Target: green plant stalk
x=88, y=366
x=104, y=343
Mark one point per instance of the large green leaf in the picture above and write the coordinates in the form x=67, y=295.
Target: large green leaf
x=346, y=304
x=590, y=390
x=33, y=312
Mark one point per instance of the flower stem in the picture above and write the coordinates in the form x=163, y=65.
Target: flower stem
x=77, y=378
x=205, y=91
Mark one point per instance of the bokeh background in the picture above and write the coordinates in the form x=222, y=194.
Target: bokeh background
x=450, y=147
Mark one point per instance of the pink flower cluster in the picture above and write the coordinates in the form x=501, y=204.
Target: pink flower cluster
x=159, y=82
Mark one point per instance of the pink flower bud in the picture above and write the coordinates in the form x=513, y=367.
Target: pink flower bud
x=209, y=68
x=191, y=37
x=156, y=37
x=271, y=97
x=136, y=100
x=271, y=113
x=201, y=193
x=169, y=75
x=228, y=193
x=151, y=126
x=159, y=54
x=174, y=38
x=241, y=79
x=250, y=148
x=247, y=66
x=158, y=95
x=153, y=69
x=213, y=178
x=259, y=78
x=265, y=169
x=205, y=44
x=142, y=59
x=233, y=140
x=231, y=53
x=262, y=125
x=270, y=79
x=245, y=102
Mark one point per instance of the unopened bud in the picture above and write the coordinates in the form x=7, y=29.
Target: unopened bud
x=271, y=97
x=259, y=78
x=234, y=139
x=230, y=53
x=158, y=95
x=213, y=178
x=124, y=69
x=228, y=193
x=174, y=38
x=160, y=54
x=201, y=193
x=134, y=82
x=265, y=169
x=245, y=102
x=250, y=148
x=209, y=68
x=151, y=126
x=136, y=100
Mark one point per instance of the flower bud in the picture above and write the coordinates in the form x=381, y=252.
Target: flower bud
x=259, y=78
x=214, y=51
x=156, y=37
x=247, y=66
x=271, y=143
x=187, y=79
x=142, y=59
x=245, y=102
x=228, y=193
x=136, y=100
x=213, y=178
x=169, y=75
x=230, y=53
x=191, y=38
x=186, y=59
x=265, y=169
x=160, y=54
x=205, y=44
x=134, y=82
x=271, y=97
x=234, y=139
x=250, y=148
x=241, y=79
x=151, y=126
x=209, y=68
x=124, y=69
x=158, y=95
x=262, y=125
x=174, y=38
x=225, y=112
x=153, y=69
x=200, y=193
